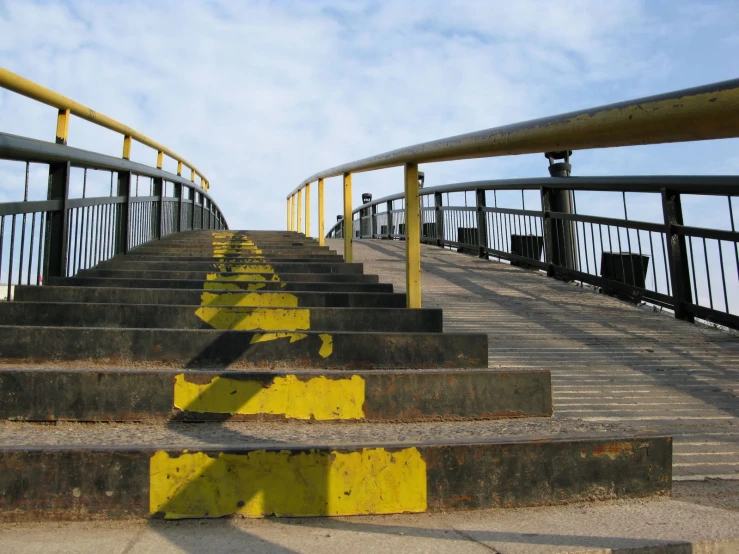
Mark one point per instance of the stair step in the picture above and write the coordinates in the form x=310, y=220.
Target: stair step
x=227, y=267
x=210, y=348
x=182, y=470
x=26, y=293
x=151, y=395
x=210, y=315
x=225, y=275
x=286, y=286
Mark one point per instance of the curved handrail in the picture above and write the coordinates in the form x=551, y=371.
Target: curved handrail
x=26, y=87
x=700, y=113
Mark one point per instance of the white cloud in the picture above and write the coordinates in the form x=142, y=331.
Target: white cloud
x=261, y=94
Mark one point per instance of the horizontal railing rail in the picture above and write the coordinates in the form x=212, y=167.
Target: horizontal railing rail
x=67, y=107
x=691, y=270
x=701, y=113
x=41, y=240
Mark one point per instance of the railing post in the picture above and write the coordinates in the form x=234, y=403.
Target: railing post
x=321, y=214
x=203, y=201
x=439, y=219
x=178, y=195
x=124, y=213
x=373, y=220
x=482, y=223
x=293, y=204
x=194, y=195
x=677, y=255
x=389, y=219
x=547, y=230
x=565, y=246
x=300, y=209
x=159, y=191
x=307, y=210
x=412, y=237
x=287, y=224
x=348, y=225
x=57, y=223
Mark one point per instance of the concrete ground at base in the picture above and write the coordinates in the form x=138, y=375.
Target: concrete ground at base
x=669, y=526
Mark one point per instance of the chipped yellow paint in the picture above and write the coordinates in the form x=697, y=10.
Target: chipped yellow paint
x=267, y=299
x=316, y=398
x=285, y=483
x=240, y=277
x=327, y=345
x=267, y=337
x=245, y=268
x=255, y=319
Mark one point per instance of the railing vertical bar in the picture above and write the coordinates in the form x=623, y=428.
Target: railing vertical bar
x=41, y=239
x=10, y=259
x=692, y=266
x=665, y=259
x=654, y=261
x=2, y=243
x=733, y=229
x=723, y=275
x=30, y=248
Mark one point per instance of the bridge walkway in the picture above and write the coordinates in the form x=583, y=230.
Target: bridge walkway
x=611, y=362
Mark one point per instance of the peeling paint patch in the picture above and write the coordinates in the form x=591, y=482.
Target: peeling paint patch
x=284, y=483
x=613, y=449
x=255, y=319
x=316, y=398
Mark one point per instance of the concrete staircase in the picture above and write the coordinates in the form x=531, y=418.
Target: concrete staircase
x=217, y=372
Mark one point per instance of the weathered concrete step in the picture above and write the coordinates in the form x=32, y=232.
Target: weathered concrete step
x=242, y=349
x=26, y=293
x=226, y=267
x=209, y=315
x=208, y=247
x=229, y=276
x=146, y=395
x=231, y=285
x=252, y=259
x=291, y=478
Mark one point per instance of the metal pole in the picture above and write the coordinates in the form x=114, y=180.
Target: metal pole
x=300, y=210
x=321, y=232
x=412, y=237
x=307, y=210
x=348, y=227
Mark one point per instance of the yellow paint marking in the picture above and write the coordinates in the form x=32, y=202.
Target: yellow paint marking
x=316, y=398
x=245, y=268
x=255, y=319
x=327, y=345
x=284, y=483
x=267, y=337
x=271, y=299
x=240, y=277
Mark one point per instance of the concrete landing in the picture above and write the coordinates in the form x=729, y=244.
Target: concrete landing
x=669, y=526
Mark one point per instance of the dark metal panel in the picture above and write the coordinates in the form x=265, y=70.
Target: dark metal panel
x=11, y=208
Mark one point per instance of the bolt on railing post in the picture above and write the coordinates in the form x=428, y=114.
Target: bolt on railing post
x=159, y=191
x=439, y=219
x=348, y=225
x=412, y=237
x=57, y=223
x=307, y=210
x=677, y=255
x=124, y=213
x=321, y=214
x=482, y=223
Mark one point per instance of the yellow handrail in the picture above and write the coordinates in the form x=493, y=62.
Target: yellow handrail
x=13, y=82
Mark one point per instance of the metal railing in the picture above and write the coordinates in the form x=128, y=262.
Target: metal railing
x=702, y=113
x=57, y=237
x=691, y=270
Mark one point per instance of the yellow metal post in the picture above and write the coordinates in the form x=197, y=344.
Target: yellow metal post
x=287, y=202
x=307, y=210
x=127, y=147
x=293, y=205
x=348, y=228
x=320, y=213
x=62, y=126
x=412, y=237
x=300, y=210
x=192, y=175
x=160, y=159
x=179, y=168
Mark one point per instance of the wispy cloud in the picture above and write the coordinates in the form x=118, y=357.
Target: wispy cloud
x=261, y=94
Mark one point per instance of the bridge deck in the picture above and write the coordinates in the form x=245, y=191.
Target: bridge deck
x=610, y=361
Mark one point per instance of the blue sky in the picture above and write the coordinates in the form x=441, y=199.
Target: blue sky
x=260, y=94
